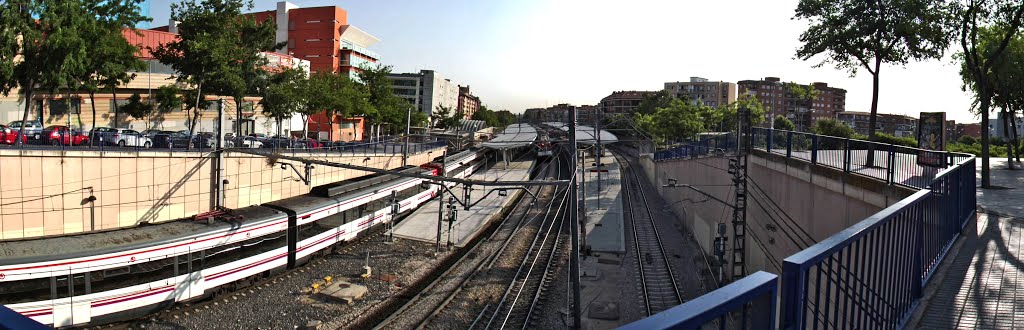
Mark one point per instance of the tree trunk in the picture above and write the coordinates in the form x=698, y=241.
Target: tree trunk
x=873, y=121
x=238, y=116
x=195, y=114
x=92, y=100
x=1006, y=138
x=24, y=118
x=305, y=125
x=117, y=109
x=986, y=180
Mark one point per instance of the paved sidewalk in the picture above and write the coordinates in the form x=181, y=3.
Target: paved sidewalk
x=980, y=285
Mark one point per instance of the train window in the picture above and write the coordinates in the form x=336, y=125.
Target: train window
x=116, y=271
x=228, y=253
x=36, y=289
x=65, y=289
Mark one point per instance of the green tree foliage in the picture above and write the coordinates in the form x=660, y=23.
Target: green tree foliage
x=444, y=118
x=111, y=58
x=900, y=141
x=337, y=96
x=651, y=102
x=856, y=34
x=283, y=95
x=832, y=127
x=45, y=37
x=218, y=50
x=166, y=99
x=137, y=108
x=967, y=139
x=387, y=108
x=990, y=62
x=783, y=123
x=729, y=113
x=493, y=118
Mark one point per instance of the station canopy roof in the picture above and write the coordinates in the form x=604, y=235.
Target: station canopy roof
x=585, y=134
x=514, y=136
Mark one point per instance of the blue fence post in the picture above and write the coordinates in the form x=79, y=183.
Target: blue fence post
x=891, y=168
x=789, y=144
x=793, y=294
x=814, y=148
x=768, y=138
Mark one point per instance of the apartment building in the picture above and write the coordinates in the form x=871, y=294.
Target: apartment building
x=622, y=102
x=426, y=90
x=778, y=98
x=700, y=90
x=895, y=125
x=468, y=103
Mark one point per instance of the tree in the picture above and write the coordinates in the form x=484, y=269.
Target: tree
x=979, y=55
x=855, y=34
x=730, y=112
x=387, y=108
x=444, y=118
x=283, y=95
x=40, y=47
x=832, y=127
x=806, y=94
x=137, y=108
x=218, y=50
x=1002, y=81
x=337, y=95
x=783, y=123
x=111, y=58
x=167, y=99
x=651, y=102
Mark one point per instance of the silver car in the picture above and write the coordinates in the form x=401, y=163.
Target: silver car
x=130, y=138
x=33, y=129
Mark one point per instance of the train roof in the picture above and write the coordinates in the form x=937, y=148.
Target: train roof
x=76, y=246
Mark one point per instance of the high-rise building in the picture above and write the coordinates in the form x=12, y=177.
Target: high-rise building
x=778, y=99
x=426, y=91
x=711, y=93
x=320, y=35
x=468, y=103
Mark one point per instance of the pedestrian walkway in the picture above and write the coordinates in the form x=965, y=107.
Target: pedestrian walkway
x=980, y=285
x=604, y=227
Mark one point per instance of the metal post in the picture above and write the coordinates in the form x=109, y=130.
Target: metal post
x=219, y=177
x=574, y=259
x=440, y=198
x=405, y=147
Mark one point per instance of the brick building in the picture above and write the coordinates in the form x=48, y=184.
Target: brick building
x=779, y=100
x=895, y=125
x=468, y=103
x=622, y=102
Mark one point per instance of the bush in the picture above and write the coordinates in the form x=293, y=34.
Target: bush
x=783, y=123
x=900, y=141
x=967, y=139
x=832, y=127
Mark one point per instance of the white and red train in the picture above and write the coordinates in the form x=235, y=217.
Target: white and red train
x=105, y=277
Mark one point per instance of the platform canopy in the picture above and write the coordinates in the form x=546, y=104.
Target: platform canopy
x=514, y=136
x=585, y=134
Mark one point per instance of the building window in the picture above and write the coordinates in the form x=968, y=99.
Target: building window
x=120, y=103
x=60, y=107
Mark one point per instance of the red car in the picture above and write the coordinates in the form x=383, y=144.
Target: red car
x=62, y=135
x=9, y=136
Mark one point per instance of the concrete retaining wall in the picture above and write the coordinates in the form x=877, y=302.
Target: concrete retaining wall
x=45, y=193
x=820, y=201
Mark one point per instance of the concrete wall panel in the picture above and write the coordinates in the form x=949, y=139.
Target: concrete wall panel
x=42, y=192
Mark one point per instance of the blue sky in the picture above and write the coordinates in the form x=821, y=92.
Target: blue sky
x=518, y=54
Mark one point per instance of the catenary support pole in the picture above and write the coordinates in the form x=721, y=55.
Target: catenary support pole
x=219, y=202
x=574, y=259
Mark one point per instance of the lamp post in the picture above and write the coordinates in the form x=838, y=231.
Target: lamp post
x=405, y=146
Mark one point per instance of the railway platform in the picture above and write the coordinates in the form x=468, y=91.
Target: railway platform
x=421, y=225
x=602, y=188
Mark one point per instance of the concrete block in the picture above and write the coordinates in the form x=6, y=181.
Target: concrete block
x=344, y=291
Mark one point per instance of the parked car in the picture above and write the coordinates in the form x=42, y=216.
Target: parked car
x=9, y=136
x=251, y=142
x=103, y=135
x=150, y=132
x=170, y=139
x=277, y=142
x=33, y=129
x=62, y=135
x=204, y=139
x=130, y=138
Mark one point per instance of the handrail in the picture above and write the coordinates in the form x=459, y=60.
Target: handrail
x=871, y=274
x=691, y=315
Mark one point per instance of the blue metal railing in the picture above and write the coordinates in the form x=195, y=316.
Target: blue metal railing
x=757, y=291
x=717, y=144
x=871, y=274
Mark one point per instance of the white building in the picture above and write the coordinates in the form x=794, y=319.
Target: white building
x=426, y=91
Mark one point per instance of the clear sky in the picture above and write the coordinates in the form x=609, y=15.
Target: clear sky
x=518, y=54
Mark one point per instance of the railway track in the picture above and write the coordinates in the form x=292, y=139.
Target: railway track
x=429, y=308
x=658, y=283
